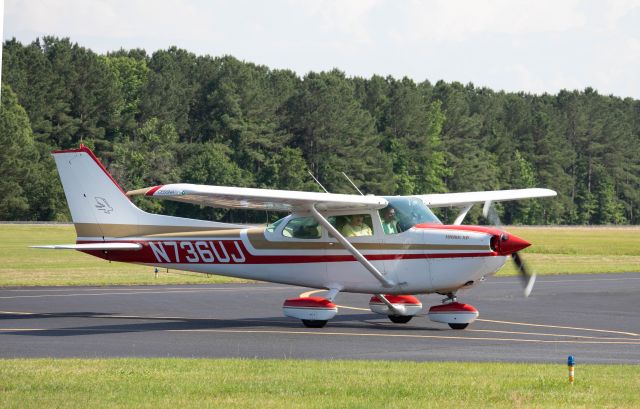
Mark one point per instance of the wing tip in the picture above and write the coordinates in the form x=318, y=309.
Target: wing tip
x=145, y=191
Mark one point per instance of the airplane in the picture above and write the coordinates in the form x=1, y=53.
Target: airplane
x=392, y=247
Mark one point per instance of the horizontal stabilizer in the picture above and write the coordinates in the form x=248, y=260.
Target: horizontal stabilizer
x=92, y=246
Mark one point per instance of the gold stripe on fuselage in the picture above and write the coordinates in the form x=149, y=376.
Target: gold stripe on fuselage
x=259, y=242
x=136, y=230
x=207, y=234
x=255, y=235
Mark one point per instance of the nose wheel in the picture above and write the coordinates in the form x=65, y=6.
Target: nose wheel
x=314, y=312
x=453, y=313
x=314, y=323
x=400, y=319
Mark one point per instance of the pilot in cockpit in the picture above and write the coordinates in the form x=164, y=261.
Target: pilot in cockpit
x=389, y=221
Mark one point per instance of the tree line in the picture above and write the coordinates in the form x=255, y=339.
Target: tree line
x=174, y=116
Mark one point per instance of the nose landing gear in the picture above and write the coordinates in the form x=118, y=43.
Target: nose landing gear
x=314, y=312
x=453, y=313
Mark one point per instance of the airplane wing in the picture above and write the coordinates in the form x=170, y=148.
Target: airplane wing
x=259, y=199
x=468, y=198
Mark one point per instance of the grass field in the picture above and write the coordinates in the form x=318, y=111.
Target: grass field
x=23, y=266
x=179, y=383
x=567, y=250
x=555, y=250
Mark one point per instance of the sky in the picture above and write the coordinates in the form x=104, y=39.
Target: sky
x=532, y=46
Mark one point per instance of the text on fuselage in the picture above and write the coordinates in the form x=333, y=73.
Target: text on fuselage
x=457, y=237
x=202, y=251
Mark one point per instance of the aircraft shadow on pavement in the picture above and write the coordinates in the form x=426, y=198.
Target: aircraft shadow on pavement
x=150, y=324
x=81, y=314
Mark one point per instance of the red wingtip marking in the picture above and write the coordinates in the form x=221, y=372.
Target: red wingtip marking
x=153, y=190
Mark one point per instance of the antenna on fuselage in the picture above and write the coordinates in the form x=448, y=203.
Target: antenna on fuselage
x=352, y=184
x=318, y=182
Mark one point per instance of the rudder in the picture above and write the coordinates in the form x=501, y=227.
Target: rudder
x=94, y=197
x=100, y=208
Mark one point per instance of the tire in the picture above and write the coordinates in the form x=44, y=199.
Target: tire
x=314, y=323
x=458, y=326
x=400, y=319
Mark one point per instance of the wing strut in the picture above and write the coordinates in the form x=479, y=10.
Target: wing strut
x=388, y=303
x=462, y=214
x=335, y=233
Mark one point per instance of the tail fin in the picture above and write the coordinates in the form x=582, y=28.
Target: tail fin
x=94, y=197
x=100, y=208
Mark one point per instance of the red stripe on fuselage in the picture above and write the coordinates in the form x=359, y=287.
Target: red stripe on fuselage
x=234, y=252
x=478, y=229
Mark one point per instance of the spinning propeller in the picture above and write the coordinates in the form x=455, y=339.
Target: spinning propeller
x=528, y=279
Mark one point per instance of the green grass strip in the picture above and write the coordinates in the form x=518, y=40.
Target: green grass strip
x=247, y=383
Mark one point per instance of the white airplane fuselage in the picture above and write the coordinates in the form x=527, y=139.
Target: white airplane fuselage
x=419, y=256
x=423, y=259
x=391, y=247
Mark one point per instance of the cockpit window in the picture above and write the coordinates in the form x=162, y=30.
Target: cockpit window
x=302, y=228
x=409, y=211
x=273, y=226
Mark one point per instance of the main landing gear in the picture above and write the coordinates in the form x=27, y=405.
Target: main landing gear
x=315, y=312
x=399, y=308
x=451, y=312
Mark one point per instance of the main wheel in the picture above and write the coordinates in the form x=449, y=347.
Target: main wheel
x=314, y=323
x=458, y=326
x=400, y=319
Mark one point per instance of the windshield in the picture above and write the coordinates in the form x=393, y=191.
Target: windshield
x=411, y=211
x=273, y=226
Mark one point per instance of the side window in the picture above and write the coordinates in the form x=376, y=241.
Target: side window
x=302, y=228
x=353, y=225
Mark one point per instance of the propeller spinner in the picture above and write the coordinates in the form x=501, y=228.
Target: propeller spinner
x=511, y=244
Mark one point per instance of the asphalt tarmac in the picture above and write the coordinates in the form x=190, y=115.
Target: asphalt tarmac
x=596, y=318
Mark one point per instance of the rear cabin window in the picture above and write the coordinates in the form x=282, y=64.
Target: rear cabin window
x=354, y=225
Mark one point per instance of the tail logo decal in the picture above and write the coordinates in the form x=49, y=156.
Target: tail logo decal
x=103, y=205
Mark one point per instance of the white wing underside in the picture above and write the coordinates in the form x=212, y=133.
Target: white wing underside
x=467, y=198
x=290, y=200
x=260, y=199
